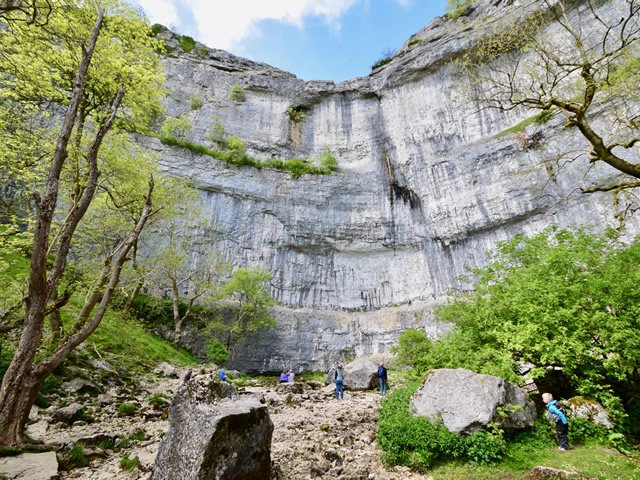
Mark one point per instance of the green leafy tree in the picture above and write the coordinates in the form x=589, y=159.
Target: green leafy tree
x=187, y=266
x=247, y=289
x=413, y=349
x=91, y=72
x=562, y=298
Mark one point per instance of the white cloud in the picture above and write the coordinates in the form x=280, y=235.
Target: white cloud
x=161, y=11
x=405, y=3
x=223, y=24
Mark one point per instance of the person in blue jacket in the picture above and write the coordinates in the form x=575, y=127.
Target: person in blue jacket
x=382, y=378
x=557, y=415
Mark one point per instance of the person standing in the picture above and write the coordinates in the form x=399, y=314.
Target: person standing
x=339, y=379
x=557, y=414
x=382, y=378
x=222, y=375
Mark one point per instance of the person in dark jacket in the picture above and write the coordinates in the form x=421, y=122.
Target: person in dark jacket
x=382, y=378
x=560, y=419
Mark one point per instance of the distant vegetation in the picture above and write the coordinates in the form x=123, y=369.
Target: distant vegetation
x=458, y=8
x=386, y=57
x=186, y=43
x=232, y=150
x=237, y=94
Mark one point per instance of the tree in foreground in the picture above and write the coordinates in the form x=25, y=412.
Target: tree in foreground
x=89, y=73
x=582, y=62
x=562, y=298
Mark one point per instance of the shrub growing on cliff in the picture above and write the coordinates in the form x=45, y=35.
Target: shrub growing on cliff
x=237, y=94
x=328, y=160
x=457, y=8
x=195, y=102
x=187, y=43
x=177, y=127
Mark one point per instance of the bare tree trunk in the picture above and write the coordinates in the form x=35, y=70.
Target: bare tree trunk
x=177, y=320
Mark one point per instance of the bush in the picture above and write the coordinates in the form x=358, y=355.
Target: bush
x=156, y=28
x=237, y=94
x=127, y=409
x=76, y=458
x=218, y=134
x=328, y=160
x=127, y=463
x=412, y=349
x=458, y=8
x=382, y=61
x=415, y=442
x=187, y=43
x=176, y=127
x=158, y=401
x=195, y=102
x=216, y=351
x=296, y=114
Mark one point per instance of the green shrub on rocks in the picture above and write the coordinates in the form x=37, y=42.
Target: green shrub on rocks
x=127, y=409
x=416, y=442
x=187, y=43
x=237, y=94
x=129, y=464
x=195, y=102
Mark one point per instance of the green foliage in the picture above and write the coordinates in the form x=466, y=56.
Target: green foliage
x=381, y=62
x=203, y=51
x=158, y=400
x=237, y=94
x=296, y=114
x=77, y=458
x=458, y=8
x=127, y=409
x=413, y=349
x=10, y=452
x=539, y=119
x=195, y=102
x=216, y=351
x=415, y=442
x=186, y=43
x=178, y=127
x=129, y=464
x=234, y=153
x=555, y=299
x=218, y=134
x=156, y=29
x=247, y=290
x=328, y=160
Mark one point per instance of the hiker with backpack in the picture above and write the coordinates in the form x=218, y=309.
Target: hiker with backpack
x=557, y=414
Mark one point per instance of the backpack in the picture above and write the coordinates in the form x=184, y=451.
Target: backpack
x=553, y=416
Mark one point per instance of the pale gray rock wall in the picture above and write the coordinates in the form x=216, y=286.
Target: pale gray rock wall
x=423, y=186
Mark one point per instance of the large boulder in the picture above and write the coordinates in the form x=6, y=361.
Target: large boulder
x=361, y=374
x=589, y=409
x=68, y=414
x=466, y=401
x=30, y=466
x=167, y=370
x=214, y=433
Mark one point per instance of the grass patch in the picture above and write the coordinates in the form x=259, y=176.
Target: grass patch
x=381, y=62
x=539, y=119
x=315, y=376
x=237, y=94
x=129, y=464
x=127, y=409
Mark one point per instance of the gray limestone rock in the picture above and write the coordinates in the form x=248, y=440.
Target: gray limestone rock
x=68, y=414
x=214, y=433
x=589, y=409
x=466, y=401
x=427, y=182
x=79, y=385
x=167, y=370
x=361, y=374
x=30, y=466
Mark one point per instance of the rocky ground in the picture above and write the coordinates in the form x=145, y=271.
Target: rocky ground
x=315, y=435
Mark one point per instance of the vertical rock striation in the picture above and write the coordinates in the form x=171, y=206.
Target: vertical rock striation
x=424, y=186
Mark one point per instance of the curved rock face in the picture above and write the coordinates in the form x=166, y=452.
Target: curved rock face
x=466, y=401
x=423, y=188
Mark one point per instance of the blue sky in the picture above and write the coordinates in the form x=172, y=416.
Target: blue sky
x=314, y=39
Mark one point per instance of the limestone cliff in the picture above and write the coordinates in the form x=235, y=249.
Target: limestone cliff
x=424, y=186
